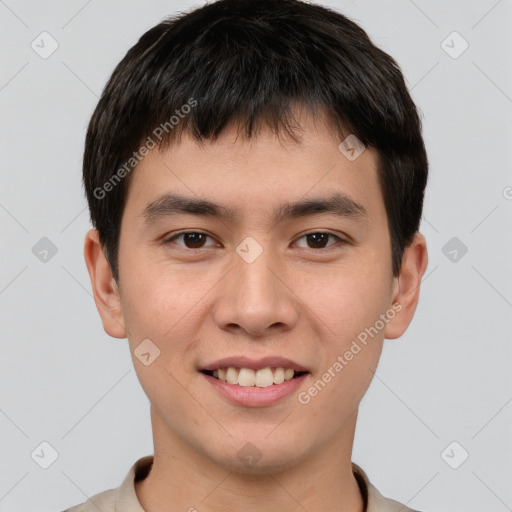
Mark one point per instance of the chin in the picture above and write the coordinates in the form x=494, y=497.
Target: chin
x=259, y=458
x=262, y=466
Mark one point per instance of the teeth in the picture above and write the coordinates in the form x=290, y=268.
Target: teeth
x=278, y=375
x=247, y=377
x=231, y=375
x=263, y=378
x=288, y=374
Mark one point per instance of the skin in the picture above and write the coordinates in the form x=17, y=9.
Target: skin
x=200, y=304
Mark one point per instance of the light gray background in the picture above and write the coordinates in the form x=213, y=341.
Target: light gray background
x=64, y=381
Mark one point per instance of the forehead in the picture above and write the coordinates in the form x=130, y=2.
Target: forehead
x=262, y=173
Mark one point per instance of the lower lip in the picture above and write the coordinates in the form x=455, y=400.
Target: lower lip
x=252, y=396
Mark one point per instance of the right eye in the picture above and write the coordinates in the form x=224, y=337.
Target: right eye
x=191, y=239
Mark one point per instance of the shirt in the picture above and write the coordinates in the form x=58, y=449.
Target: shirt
x=124, y=498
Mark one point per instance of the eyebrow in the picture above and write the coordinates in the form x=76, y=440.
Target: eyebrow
x=170, y=204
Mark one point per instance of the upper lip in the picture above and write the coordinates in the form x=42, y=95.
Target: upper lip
x=255, y=364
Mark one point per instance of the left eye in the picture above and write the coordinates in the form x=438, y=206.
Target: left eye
x=192, y=239
x=319, y=239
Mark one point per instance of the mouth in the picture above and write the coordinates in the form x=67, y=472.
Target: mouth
x=249, y=377
x=248, y=382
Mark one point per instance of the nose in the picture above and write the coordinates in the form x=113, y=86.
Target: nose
x=257, y=297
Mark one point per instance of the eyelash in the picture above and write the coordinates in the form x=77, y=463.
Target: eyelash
x=169, y=239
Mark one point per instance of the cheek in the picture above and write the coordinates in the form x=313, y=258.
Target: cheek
x=153, y=312
x=353, y=337
x=154, y=301
x=337, y=388
x=348, y=300
x=164, y=307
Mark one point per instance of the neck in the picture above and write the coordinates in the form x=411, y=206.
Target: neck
x=181, y=479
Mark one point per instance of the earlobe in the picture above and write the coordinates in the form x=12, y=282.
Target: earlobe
x=105, y=290
x=406, y=289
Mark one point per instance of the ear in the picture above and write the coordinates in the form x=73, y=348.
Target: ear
x=406, y=287
x=104, y=286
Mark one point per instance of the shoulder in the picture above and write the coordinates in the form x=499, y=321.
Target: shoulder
x=383, y=504
x=120, y=498
x=374, y=500
x=104, y=501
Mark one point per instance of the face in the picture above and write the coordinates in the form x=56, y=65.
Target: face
x=257, y=283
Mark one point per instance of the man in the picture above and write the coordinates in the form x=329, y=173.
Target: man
x=255, y=173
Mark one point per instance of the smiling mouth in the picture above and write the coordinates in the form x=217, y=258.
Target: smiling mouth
x=247, y=377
